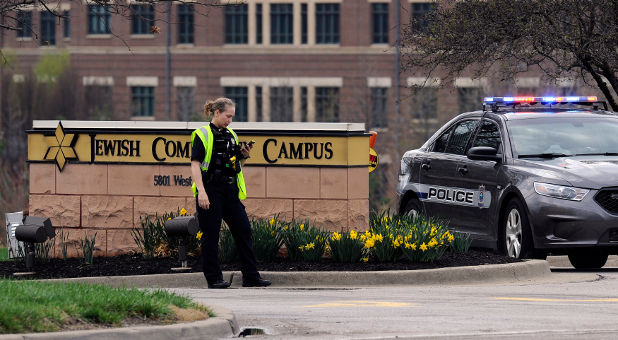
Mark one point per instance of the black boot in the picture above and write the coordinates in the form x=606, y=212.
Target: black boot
x=255, y=282
x=219, y=284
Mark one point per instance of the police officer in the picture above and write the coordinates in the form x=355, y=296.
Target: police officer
x=219, y=186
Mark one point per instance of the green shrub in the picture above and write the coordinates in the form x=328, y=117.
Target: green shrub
x=267, y=238
x=42, y=250
x=294, y=236
x=313, y=246
x=381, y=241
x=168, y=245
x=152, y=240
x=461, y=242
x=422, y=239
x=346, y=246
x=86, y=245
x=64, y=238
x=227, y=246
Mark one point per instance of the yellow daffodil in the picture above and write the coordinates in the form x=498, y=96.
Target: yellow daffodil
x=370, y=243
x=378, y=237
x=396, y=243
x=272, y=221
x=353, y=234
x=183, y=212
x=285, y=227
x=424, y=247
x=310, y=246
x=199, y=235
x=365, y=259
x=336, y=236
x=451, y=238
x=169, y=218
x=302, y=226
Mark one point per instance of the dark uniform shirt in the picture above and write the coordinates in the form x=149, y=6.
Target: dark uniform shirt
x=221, y=152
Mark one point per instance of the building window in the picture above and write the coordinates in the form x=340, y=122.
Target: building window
x=24, y=24
x=303, y=104
x=185, y=102
x=425, y=103
x=236, y=24
x=281, y=23
x=379, y=21
x=281, y=104
x=259, y=115
x=239, y=96
x=185, y=24
x=470, y=99
x=99, y=103
x=421, y=15
x=66, y=17
x=378, y=107
x=258, y=23
x=303, y=23
x=98, y=19
x=142, y=101
x=327, y=23
x=327, y=104
x=48, y=28
x=142, y=19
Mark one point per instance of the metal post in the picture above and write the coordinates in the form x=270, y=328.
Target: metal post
x=182, y=252
x=168, y=62
x=397, y=71
x=29, y=255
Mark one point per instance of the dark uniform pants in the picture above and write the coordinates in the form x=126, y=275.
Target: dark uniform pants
x=225, y=204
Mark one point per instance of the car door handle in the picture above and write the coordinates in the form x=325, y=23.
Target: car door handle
x=425, y=165
x=463, y=170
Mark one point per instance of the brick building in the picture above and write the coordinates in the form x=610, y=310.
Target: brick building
x=280, y=60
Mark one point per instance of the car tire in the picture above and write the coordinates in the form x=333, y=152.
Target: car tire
x=413, y=208
x=588, y=259
x=515, y=234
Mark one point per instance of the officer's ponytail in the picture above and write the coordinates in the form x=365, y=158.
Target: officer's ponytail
x=218, y=104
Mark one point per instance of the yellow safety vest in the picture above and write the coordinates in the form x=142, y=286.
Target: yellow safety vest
x=205, y=134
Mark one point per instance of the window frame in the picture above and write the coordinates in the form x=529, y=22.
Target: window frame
x=102, y=17
x=240, y=96
x=141, y=98
x=478, y=130
x=384, y=97
x=416, y=10
x=327, y=23
x=379, y=12
x=47, y=28
x=142, y=19
x=454, y=127
x=319, y=116
x=281, y=23
x=236, y=24
x=24, y=23
x=186, y=22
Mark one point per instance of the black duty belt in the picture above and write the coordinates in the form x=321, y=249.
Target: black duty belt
x=224, y=179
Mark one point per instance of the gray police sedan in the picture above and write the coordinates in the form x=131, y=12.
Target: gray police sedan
x=526, y=175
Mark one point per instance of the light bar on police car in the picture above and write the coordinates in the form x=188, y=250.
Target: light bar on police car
x=545, y=100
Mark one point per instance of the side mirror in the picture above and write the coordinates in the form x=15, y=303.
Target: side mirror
x=484, y=153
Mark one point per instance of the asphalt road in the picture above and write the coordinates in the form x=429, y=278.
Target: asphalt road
x=567, y=305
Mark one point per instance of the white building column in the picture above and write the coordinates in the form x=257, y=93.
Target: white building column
x=311, y=103
x=297, y=23
x=297, y=102
x=252, y=23
x=266, y=23
x=251, y=103
x=266, y=103
x=311, y=23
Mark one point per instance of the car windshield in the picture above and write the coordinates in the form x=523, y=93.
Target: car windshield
x=558, y=137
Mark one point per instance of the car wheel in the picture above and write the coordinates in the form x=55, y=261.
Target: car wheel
x=516, y=237
x=588, y=259
x=412, y=208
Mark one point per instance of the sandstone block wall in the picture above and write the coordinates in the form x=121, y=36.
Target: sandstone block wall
x=108, y=199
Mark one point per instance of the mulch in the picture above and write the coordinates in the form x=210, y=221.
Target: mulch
x=135, y=264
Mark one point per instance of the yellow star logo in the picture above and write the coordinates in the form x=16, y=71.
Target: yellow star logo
x=63, y=150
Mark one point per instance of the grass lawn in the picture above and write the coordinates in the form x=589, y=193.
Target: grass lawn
x=4, y=254
x=31, y=306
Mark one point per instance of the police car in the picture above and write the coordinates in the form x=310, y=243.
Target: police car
x=526, y=175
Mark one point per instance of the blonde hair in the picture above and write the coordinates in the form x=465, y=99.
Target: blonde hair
x=218, y=104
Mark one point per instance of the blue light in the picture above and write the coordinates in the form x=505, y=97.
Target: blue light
x=509, y=99
x=549, y=99
x=489, y=99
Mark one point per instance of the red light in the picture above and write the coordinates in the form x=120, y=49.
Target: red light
x=559, y=99
x=592, y=99
x=524, y=99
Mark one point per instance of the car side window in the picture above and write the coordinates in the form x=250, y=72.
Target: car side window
x=488, y=135
x=460, y=137
x=440, y=143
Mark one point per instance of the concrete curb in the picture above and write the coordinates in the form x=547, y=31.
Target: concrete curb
x=511, y=272
x=224, y=325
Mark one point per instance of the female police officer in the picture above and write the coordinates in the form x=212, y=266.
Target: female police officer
x=219, y=186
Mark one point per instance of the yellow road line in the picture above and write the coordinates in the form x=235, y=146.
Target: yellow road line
x=554, y=300
x=359, y=303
